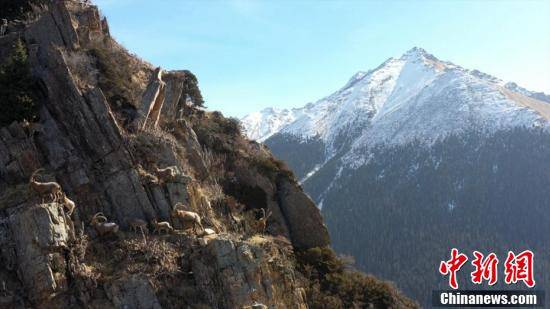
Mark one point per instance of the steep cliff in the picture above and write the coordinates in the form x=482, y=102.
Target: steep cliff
x=102, y=123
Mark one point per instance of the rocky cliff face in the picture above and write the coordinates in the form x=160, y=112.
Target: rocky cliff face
x=106, y=121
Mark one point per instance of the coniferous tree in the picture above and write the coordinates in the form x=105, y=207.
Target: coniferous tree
x=17, y=96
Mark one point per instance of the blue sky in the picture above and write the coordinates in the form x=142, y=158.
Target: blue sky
x=249, y=54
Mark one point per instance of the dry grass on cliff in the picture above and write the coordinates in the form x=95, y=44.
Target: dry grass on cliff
x=218, y=134
x=122, y=76
x=163, y=260
x=152, y=146
x=113, y=258
x=155, y=257
x=82, y=68
x=277, y=248
x=158, y=135
x=215, y=164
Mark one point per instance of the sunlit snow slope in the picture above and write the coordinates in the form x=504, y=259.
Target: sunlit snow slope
x=415, y=96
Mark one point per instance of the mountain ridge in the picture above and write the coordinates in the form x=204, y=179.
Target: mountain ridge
x=286, y=119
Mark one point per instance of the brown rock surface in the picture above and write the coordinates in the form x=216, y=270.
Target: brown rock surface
x=304, y=220
x=133, y=292
x=236, y=274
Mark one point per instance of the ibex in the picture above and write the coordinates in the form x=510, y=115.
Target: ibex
x=187, y=216
x=146, y=175
x=166, y=174
x=103, y=227
x=136, y=224
x=262, y=222
x=159, y=227
x=69, y=204
x=52, y=189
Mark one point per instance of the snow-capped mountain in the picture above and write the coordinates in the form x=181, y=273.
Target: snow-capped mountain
x=261, y=125
x=418, y=155
x=415, y=96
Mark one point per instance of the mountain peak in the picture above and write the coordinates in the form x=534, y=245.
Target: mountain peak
x=418, y=53
x=407, y=91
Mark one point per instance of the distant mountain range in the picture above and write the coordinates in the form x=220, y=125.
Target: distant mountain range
x=414, y=96
x=417, y=156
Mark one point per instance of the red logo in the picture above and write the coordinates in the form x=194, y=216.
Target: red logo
x=517, y=268
x=452, y=266
x=485, y=269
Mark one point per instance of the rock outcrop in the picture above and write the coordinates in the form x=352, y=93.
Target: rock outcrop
x=152, y=100
x=303, y=218
x=133, y=292
x=243, y=273
x=37, y=238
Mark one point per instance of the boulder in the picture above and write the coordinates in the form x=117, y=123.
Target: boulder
x=235, y=274
x=133, y=292
x=307, y=229
x=40, y=235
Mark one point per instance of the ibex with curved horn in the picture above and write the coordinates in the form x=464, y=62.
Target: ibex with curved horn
x=262, y=222
x=99, y=222
x=52, y=189
x=187, y=216
x=166, y=174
